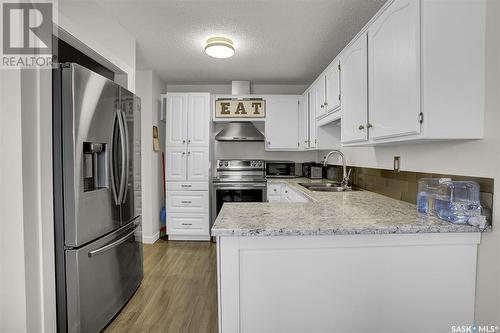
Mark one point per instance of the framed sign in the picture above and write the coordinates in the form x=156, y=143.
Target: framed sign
x=225, y=108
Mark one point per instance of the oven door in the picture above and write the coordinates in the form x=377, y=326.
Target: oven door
x=236, y=192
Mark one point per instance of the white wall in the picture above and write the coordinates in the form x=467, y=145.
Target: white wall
x=149, y=87
x=472, y=158
x=92, y=25
x=27, y=296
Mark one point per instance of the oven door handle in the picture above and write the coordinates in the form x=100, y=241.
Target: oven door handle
x=239, y=187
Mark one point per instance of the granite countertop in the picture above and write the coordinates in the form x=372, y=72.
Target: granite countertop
x=328, y=213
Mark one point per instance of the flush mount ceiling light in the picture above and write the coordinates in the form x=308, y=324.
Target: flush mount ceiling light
x=219, y=47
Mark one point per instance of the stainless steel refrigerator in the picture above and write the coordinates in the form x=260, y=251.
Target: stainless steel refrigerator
x=97, y=197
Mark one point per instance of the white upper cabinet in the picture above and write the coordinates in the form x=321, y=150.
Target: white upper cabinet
x=303, y=122
x=312, y=108
x=177, y=106
x=188, y=124
x=198, y=119
x=354, y=95
x=282, y=123
x=394, y=71
x=407, y=76
x=332, y=87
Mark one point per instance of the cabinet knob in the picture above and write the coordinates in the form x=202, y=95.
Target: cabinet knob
x=275, y=190
x=268, y=142
x=305, y=141
x=183, y=153
x=189, y=153
x=322, y=106
x=183, y=141
x=326, y=103
x=286, y=191
x=369, y=125
x=189, y=141
x=361, y=127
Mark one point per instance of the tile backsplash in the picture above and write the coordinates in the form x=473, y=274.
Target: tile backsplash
x=403, y=185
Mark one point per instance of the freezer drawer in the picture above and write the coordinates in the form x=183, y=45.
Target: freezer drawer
x=102, y=276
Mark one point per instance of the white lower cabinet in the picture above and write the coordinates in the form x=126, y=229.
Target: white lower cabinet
x=281, y=192
x=188, y=211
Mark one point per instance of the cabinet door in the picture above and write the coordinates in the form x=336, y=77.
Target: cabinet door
x=354, y=79
x=198, y=119
x=176, y=126
x=313, y=135
x=303, y=123
x=394, y=80
x=197, y=164
x=175, y=163
x=332, y=87
x=282, y=123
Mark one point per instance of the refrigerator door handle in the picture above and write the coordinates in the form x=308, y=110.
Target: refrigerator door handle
x=123, y=141
x=112, y=163
x=111, y=245
x=127, y=159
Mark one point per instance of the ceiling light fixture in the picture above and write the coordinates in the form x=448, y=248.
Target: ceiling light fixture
x=219, y=47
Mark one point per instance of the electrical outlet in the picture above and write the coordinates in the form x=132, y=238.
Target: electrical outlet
x=397, y=163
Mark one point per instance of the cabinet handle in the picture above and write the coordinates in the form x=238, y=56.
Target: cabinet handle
x=186, y=202
x=186, y=185
x=369, y=125
x=275, y=190
x=361, y=127
x=186, y=223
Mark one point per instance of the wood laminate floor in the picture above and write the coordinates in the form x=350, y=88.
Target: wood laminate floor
x=178, y=293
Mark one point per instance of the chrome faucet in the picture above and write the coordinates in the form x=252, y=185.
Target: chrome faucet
x=345, y=176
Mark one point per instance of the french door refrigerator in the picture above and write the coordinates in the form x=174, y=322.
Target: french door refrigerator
x=97, y=197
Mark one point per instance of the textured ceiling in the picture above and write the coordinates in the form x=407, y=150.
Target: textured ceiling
x=276, y=41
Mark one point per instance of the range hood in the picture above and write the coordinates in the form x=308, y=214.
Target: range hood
x=239, y=131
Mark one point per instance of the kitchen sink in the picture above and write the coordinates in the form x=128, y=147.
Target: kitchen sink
x=327, y=187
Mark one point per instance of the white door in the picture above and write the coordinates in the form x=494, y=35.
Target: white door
x=175, y=163
x=198, y=119
x=197, y=163
x=332, y=87
x=354, y=79
x=282, y=123
x=176, y=125
x=394, y=80
x=321, y=96
x=312, y=96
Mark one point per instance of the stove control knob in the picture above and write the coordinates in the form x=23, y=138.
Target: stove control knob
x=226, y=164
x=220, y=163
x=252, y=163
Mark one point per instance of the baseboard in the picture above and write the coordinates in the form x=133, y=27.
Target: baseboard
x=188, y=238
x=151, y=239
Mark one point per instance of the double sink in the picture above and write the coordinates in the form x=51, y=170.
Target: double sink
x=328, y=187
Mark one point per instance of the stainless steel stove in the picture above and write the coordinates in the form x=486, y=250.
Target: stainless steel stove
x=238, y=181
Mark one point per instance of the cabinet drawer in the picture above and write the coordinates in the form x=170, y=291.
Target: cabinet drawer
x=187, y=201
x=187, y=224
x=187, y=186
x=274, y=189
